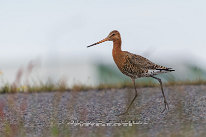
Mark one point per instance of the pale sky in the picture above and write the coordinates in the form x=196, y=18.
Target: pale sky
x=49, y=29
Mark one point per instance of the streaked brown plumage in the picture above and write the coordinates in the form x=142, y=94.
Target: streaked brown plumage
x=132, y=65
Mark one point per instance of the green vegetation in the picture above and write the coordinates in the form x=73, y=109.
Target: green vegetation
x=61, y=86
x=108, y=77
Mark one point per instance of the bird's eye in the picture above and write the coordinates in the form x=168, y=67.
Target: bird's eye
x=113, y=34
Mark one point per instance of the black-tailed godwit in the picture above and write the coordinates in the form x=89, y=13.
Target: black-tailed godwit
x=134, y=66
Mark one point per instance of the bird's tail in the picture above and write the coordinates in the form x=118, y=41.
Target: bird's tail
x=165, y=69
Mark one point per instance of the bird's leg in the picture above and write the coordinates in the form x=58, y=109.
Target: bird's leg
x=133, y=80
x=165, y=101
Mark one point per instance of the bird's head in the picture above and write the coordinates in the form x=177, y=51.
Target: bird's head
x=113, y=36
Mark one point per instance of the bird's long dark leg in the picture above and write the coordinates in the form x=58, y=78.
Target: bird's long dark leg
x=133, y=80
x=165, y=101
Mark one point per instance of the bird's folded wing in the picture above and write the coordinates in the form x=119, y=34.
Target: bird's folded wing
x=143, y=63
x=140, y=66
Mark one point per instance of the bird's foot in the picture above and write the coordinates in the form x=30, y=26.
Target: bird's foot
x=166, y=106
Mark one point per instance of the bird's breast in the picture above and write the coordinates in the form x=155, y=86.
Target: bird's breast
x=125, y=66
x=118, y=58
x=122, y=63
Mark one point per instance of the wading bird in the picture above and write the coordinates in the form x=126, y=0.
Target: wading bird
x=134, y=66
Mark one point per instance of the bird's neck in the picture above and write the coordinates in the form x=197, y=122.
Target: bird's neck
x=117, y=51
x=117, y=46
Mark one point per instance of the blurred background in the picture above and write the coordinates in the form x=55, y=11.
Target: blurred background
x=47, y=39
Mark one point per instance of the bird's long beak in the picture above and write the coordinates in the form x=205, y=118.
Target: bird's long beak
x=98, y=42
